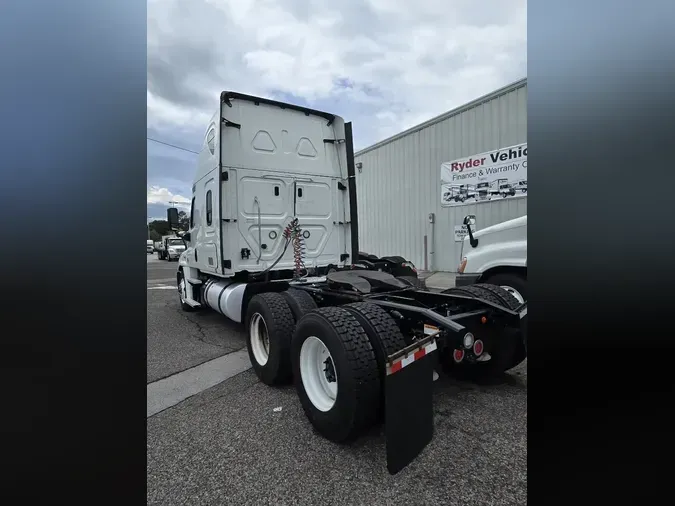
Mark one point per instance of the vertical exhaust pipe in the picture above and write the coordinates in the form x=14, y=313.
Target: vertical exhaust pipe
x=351, y=184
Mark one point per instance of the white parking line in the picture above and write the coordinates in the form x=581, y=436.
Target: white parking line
x=170, y=391
x=162, y=287
x=163, y=280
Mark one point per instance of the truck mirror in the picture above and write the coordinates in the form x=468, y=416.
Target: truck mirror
x=470, y=219
x=172, y=218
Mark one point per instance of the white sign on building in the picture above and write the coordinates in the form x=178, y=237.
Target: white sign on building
x=497, y=174
x=461, y=231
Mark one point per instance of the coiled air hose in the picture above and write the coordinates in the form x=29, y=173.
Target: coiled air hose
x=292, y=234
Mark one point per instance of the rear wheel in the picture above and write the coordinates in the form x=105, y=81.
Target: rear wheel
x=505, y=346
x=506, y=298
x=513, y=283
x=510, y=301
x=336, y=373
x=299, y=301
x=269, y=322
x=384, y=335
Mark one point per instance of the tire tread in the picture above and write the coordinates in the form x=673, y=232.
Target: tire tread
x=303, y=302
x=362, y=364
x=390, y=335
x=280, y=329
x=507, y=300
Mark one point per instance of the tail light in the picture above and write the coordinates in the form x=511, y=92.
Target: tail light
x=409, y=265
x=478, y=348
x=468, y=340
x=458, y=355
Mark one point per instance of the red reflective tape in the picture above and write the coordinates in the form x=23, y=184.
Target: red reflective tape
x=405, y=361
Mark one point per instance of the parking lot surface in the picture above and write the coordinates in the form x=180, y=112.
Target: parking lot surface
x=242, y=442
x=178, y=340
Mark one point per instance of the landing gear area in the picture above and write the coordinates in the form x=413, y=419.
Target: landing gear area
x=360, y=347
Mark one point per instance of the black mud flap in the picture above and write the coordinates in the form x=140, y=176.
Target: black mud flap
x=409, y=420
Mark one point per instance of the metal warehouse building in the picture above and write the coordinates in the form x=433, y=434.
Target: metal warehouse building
x=401, y=200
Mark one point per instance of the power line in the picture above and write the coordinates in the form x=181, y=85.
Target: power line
x=173, y=146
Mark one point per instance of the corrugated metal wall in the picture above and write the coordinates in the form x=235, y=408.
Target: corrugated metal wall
x=399, y=181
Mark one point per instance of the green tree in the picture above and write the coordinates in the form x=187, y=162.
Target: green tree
x=184, y=220
x=161, y=227
x=154, y=236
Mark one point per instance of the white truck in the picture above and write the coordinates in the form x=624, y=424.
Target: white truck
x=495, y=255
x=459, y=193
x=170, y=247
x=149, y=247
x=483, y=191
x=273, y=244
x=504, y=188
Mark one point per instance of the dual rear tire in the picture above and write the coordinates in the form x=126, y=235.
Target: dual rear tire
x=513, y=283
x=336, y=373
x=336, y=356
x=507, y=349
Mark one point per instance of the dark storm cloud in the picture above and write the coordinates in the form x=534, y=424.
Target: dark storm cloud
x=183, y=63
x=170, y=73
x=185, y=136
x=164, y=167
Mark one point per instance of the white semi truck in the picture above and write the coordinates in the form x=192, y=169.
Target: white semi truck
x=170, y=247
x=496, y=255
x=273, y=244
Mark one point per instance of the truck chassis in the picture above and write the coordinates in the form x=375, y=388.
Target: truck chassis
x=361, y=345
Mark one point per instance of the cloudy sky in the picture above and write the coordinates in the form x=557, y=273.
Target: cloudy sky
x=385, y=65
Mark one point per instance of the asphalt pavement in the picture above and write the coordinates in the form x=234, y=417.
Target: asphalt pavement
x=178, y=340
x=242, y=442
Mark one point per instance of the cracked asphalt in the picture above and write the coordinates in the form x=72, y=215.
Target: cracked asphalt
x=231, y=444
x=178, y=340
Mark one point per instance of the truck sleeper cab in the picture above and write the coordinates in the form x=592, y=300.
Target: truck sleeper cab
x=273, y=244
